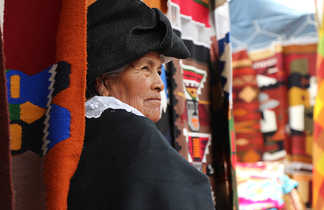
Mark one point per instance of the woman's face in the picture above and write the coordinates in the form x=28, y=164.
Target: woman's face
x=140, y=85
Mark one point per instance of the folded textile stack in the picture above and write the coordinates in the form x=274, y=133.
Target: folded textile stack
x=264, y=185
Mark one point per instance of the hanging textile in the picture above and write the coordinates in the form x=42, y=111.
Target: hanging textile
x=249, y=140
x=191, y=77
x=199, y=93
x=286, y=82
x=299, y=64
x=280, y=41
x=29, y=47
x=272, y=99
x=46, y=126
x=63, y=152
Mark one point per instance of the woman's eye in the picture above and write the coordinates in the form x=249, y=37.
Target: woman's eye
x=160, y=72
x=145, y=68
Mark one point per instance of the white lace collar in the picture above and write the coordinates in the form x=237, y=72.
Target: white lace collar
x=95, y=106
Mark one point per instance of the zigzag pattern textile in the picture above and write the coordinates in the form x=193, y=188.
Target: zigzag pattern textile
x=192, y=82
x=318, y=145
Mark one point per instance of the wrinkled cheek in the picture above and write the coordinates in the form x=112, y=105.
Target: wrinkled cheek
x=136, y=102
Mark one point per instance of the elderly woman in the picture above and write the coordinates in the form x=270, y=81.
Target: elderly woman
x=126, y=163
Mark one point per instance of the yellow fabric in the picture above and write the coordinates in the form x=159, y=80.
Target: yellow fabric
x=29, y=112
x=15, y=136
x=298, y=96
x=15, y=86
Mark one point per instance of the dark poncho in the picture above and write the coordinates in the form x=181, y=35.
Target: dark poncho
x=127, y=164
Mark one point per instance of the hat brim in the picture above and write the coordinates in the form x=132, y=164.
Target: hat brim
x=178, y=49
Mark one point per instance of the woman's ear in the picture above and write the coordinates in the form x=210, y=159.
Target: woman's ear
x=101, y=87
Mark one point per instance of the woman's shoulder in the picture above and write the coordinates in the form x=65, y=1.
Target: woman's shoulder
x=119, y=128
x=118, y=120
x=121, y=135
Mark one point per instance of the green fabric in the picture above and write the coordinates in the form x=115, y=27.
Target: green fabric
x=14, y=112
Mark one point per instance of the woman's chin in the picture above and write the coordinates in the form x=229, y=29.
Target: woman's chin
x=155, y=117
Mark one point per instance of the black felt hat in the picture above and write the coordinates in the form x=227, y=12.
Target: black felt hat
x=121, y=31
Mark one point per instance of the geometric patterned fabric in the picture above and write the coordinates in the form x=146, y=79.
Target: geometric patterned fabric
x=280, y=42
x=249, y=139
x=192, y=81
x=62, y=159
x=32, y=79
x=191, y=85
x=29, y=47
x=272, y=99
x=300, y=64
x=31, y=111
x=275, y=88
x=46, y=74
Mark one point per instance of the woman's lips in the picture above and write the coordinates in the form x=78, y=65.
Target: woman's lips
x=154, y=100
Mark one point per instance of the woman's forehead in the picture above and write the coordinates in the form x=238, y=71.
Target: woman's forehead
x=152, y=58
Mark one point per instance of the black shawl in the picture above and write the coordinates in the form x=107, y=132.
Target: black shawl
x=127, y=164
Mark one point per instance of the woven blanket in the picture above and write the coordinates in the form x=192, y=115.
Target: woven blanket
x=29, y=48
x=46, y=64
x=249, y=139
x=299, y=63
x=202, y=134
x=286, y=92
x=192, y=87
x=273, y=100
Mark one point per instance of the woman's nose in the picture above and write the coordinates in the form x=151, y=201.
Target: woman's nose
x=157, y=83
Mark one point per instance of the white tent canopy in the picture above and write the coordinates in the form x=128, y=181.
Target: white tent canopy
x=256, y=24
